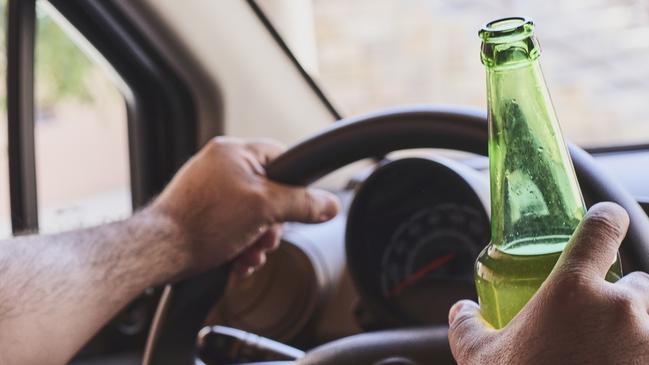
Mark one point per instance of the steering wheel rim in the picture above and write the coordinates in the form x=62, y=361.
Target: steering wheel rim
x=184, y=305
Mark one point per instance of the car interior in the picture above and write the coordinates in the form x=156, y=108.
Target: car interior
x=403, y=144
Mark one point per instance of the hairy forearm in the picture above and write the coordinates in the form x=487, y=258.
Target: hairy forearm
x=58, y=290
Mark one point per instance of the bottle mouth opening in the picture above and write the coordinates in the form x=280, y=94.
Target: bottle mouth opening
x=506, y=29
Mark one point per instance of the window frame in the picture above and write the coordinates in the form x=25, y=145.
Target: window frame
x=161, y=114
x=161, y=117
x=21, y=38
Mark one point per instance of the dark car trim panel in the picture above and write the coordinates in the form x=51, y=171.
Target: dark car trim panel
x=20, y=115
x=161, y=112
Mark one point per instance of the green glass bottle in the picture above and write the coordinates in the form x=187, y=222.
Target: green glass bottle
x=536, y=203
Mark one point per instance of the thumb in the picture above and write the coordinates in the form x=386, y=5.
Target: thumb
x=299, y=204
x=466, y=332
x=594, y=245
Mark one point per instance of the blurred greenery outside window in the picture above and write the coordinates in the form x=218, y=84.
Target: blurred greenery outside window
x=82, y=165
x=368, y=55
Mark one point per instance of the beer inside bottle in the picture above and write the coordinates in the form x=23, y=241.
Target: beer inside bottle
x=536, y=203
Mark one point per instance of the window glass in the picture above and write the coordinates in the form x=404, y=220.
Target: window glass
x=82, y=163
x=376, y=54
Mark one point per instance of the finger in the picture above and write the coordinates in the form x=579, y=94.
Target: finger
x=594, y=245
x=638, y=284
x=244, y=271
x=270, y=240
x=466, y=331
x=249, y=261
x=256, y=165
x=298, y=204
x=255, y=256
x=265, y=149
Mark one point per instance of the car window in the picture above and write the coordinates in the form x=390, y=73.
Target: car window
x=82, y=161
x=369, y=55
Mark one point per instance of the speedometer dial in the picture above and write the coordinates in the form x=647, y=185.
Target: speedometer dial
x=435, y=243
x=414, y=231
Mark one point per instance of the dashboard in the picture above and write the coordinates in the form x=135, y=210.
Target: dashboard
x=401, y=253
x=413, y=232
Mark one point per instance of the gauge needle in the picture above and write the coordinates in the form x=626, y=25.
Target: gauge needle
x=415, y=276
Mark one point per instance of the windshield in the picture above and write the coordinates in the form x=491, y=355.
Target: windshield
x=369, y=55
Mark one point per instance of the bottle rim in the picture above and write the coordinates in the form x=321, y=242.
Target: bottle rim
x=506, y=29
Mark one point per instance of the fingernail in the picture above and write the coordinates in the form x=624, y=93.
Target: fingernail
x=330, y=205
x=325, y=217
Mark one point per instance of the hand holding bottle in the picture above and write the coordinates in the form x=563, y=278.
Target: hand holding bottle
x=576, y=317
x=536, y=203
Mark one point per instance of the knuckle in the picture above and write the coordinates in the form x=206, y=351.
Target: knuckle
x=310, y=206
x=224, y=140
x=571, y=290
x=572, y=281
x=258, y=198
x=624, y=303
x=637, y=284
x=459, y=327
x=217, y=142
x=604, y=226
x=463, y=346
x=220, y=143
x=455, y=328
x=213, y=147
x=640, y=276
x=560, y=281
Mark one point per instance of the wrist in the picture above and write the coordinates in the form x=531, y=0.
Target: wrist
x=167, y=241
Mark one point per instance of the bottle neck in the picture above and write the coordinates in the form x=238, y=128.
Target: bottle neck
x=536, y=203
x=500, y=55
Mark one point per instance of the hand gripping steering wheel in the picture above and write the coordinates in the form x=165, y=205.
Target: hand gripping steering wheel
x=184, y=305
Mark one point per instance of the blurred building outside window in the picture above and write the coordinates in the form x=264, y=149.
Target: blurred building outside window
x=369, y=55
x=82, y=165
x=82, y=160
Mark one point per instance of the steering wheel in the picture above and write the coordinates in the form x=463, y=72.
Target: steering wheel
x=184, y=305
